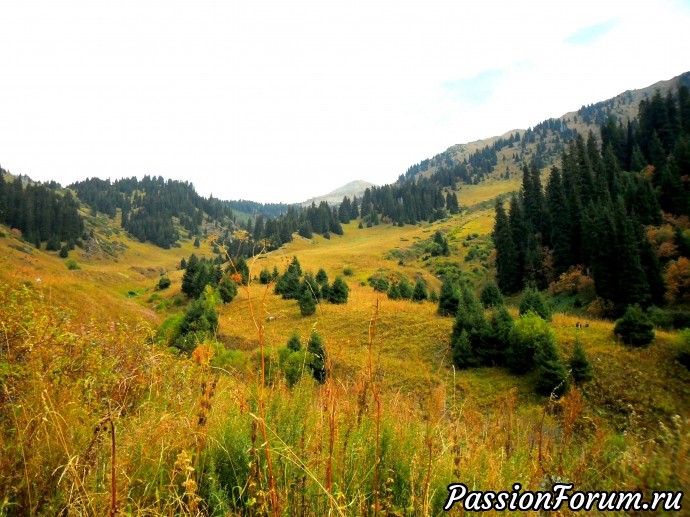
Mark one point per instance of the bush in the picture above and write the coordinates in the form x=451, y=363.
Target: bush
x=348, y=271
x=635, y=328
x=163, y=283
x=379, y=283
x=72, y=265
x=531, y=331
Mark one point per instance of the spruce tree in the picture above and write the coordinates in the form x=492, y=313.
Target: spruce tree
x=552, y=376
x=339, y=291
x=463, y=356
x=295, y=342
x=533, y=301
x=448, y=299
x=318, y=362
x=307, y=302
x=419, y=293
x=508, y=273
x=580, y=367
x=635, y=328
x=491, y=296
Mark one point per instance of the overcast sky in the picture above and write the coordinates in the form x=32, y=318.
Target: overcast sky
x=285, y=100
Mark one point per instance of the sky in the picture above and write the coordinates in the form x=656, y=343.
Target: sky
x=281, y=101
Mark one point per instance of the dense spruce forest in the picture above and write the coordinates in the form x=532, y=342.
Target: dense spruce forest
x=602, y=211
x=39, y=212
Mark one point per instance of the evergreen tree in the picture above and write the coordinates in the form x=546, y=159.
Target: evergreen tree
x=580, y=367
x=496, y=339
x=533, y=301
x=318, y=363
x=227, y=289
x=449, y=298
x=307, y=303
x=294, y=344
x=338, y=292
x=491, y=296
x=405, y=289
x=419, y=294
x=321, y=277
x=463, y=356
x=552, y=376
x=635, y=328
x=508, y=273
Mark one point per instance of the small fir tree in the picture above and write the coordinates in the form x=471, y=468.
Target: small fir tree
x=533, y=301
x=580, y=367
x=318, y=362
x=307, y=303
x=491, y=296
x=338, y=292
x=419, y=293
x=552, y=376
x=635, y=328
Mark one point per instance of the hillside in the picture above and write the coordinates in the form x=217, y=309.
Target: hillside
x=542, y=144
x=351, y=189
x=143, y=376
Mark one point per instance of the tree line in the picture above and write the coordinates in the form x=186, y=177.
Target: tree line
x=40, y=212
x=596, y=207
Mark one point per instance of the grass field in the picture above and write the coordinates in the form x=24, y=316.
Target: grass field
x=97, y=416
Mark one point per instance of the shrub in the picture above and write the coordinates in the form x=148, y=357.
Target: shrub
x=163, y=283
x=348, y=271
x=530, y=332
x=72, y=265
x=635, y=328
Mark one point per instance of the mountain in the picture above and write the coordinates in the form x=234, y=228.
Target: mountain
x=354, y=188
x=541, y=145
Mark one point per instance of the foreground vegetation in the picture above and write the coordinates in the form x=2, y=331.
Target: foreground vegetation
x=97, y=418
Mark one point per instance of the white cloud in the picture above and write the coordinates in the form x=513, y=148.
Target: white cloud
x=280, y=101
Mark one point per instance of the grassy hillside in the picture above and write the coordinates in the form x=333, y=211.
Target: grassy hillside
x=97, y=417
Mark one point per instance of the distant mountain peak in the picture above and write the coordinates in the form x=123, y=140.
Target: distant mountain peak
x=353, y=188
